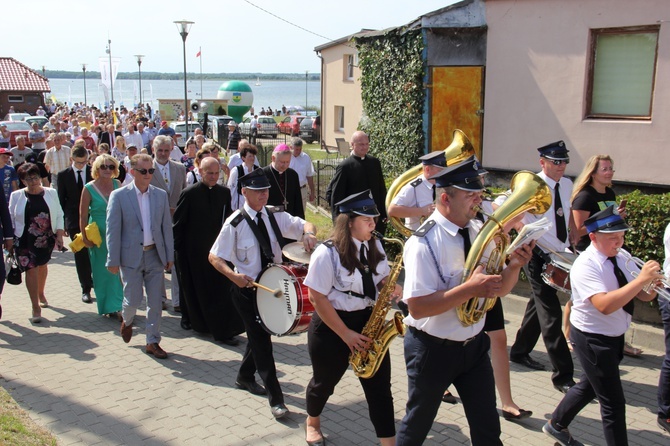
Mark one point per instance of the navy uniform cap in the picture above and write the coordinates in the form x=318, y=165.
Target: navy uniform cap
x=554, y=151
x=360, y=203
x=466, y=175
x=434, y=159
x=255, y=180
x=608, y=220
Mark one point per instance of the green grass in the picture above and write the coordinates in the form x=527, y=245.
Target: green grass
x=324, y=225
x=16, y=427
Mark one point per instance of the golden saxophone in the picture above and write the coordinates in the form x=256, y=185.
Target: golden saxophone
x=529, y=194
x=365, y=363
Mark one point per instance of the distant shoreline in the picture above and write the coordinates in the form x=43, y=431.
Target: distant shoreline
x=55, y=74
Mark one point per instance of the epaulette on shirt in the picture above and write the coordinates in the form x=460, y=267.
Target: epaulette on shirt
x=274, y=209
x=329, y=243
x=236, y=221
x=424, y=228
x=416, y=182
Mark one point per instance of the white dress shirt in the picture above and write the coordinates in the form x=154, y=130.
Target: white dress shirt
x=414, y=197
x=145, y=210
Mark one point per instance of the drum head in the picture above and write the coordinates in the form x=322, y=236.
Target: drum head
x=278, y=314
x=565, y=261
x=296, y=252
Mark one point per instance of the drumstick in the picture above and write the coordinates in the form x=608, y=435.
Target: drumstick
x=275, y=293
x=554, y=252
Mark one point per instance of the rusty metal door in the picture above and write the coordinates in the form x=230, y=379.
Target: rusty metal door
x=456, y=103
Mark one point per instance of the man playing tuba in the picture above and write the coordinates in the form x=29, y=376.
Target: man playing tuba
x=439, y=349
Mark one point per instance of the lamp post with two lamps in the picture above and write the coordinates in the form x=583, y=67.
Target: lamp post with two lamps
x=184, y=27
x=139, y=70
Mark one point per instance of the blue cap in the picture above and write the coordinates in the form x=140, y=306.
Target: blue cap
x=255, y=180
x=554, y=151
x=434, y=159
x=360, y=203
x=608, y=220
x=465, y=175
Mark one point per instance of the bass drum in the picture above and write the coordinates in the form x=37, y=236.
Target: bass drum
x=292, y=311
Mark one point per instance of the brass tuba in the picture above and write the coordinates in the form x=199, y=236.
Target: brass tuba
x=459, y=150
x=529, y=194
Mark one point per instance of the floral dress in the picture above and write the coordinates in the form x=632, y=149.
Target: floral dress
x=38, y=239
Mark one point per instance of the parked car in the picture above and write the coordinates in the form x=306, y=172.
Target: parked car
x=16, y=116
x=267, y=127
x=217, y=128
x=290, y=125
x=310, y=129
x=179, y=128
x=15, y=129
x=40, y=120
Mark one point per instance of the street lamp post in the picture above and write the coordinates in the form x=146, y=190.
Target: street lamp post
x=184, y=27
x=111, y=78
x=83, y=68
x=306, y=75
x=139, y=70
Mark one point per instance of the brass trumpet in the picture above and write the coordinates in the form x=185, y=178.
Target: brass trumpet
x=653, y=286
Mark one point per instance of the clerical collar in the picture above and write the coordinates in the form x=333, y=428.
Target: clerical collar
x=360, y=158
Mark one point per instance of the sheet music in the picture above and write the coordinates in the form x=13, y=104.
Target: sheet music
x=530, y=232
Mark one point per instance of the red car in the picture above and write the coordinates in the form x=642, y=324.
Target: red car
x=16, y=128
x=290, y=125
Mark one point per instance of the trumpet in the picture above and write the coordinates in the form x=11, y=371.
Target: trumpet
x=659, y=288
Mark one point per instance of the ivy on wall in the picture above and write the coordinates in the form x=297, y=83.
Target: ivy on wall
x=393, y=96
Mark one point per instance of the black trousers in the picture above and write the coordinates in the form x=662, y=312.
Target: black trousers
x=600, y=357
x=258, y=354
x=544, y=315
x=431, y=368
x=330, y=360
x=83, y=264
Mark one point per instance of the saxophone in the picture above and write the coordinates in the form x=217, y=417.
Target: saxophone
x=365, y=363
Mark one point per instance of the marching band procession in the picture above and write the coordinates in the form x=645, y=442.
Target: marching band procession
x=260, y=270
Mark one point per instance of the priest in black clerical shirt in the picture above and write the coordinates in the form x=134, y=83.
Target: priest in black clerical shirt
x=357, y=173
x=284, y=182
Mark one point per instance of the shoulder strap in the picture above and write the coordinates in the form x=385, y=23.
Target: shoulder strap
x=266, y=249
x=275, y=227
x=237, y=220
x=416, y=182
x=425, y=228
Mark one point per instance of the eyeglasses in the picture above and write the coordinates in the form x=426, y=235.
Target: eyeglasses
x=559, y=162
x=27, y=179
x=145, y=171
x=607, y=169
x=107, y=167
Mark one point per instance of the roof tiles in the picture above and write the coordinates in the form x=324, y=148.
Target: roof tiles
x=15, y=76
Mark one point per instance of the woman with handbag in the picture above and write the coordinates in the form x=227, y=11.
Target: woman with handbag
x=6, y=234
x=38, y=228
x=93, y=208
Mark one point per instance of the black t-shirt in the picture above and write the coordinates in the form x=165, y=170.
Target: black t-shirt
x=592, y=201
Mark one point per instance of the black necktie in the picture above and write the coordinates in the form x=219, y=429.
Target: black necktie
x=368, y=284
x=266, y=236
x=434, y=196
x=80, y=182
x=621, y=279
x=466, y=241
x=561, y=231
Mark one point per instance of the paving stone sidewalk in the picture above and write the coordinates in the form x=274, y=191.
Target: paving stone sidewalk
x=74, y=375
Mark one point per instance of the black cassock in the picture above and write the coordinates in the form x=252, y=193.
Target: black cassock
x=198, y=219
x=285, y=186
x=356, y=174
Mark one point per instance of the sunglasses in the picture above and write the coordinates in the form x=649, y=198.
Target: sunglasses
x=145, y=171
x=559, y=162
x=107, y=167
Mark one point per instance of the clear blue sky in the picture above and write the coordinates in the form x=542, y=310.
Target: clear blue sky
x=235, y=36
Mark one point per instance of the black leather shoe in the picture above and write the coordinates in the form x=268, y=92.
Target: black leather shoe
x=528, y=362
x=664, y=423
x=232, y=341
x=186, y=325
x=279, y=411
x=449, y=398
x=86, y=298
x=563, y=388
x=252, y=387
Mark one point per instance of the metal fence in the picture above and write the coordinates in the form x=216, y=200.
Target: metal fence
x=265, y=147
x=325, y=170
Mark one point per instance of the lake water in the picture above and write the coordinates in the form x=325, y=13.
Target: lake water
x=126, y=92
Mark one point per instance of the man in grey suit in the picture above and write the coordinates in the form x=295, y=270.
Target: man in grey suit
x=171, y=177
x=141, y=247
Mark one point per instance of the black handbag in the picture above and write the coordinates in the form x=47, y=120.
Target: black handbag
x=14, y=274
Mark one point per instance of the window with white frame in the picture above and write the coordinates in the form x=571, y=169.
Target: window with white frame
x=339, y=118
x=14, y=98
x=349, y=67
x=622, y=69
